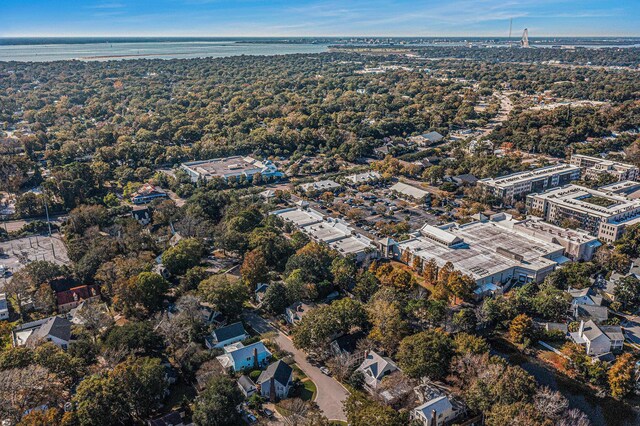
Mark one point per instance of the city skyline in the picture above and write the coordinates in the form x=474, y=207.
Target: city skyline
x=316, y=18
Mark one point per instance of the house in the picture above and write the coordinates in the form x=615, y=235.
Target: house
x=237, y=357
x=436, y=406
x=261, y=290
x=4, y=308
x=465, y=179
x=142, y=214
x=348, y=345
x=296, y=312
x=224, y=336
x=172, y=419
x=426, y=139
x=585, y=296
x=598, y=340
x=375, y=368
x=320, y=187
x=53, y=329
x=590, y=312
x=147, y=193
x=275, y=381
x=69, y=299
x=246, y=385
x=435, y=412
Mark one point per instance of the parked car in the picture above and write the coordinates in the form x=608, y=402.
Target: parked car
x=325, y=370
x=251, y=418
x=267, y=413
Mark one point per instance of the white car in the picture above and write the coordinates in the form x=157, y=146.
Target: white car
x=325, y=370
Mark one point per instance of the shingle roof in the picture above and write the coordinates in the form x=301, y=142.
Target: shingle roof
x=279, y=370
x=246, y=383
x=377, y=364
x=171, y=419
x=229, y=332
x=247, y=351
x=82, y=292
x=55, y=326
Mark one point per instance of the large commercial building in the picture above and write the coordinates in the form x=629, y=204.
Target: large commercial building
x=336, y=233
x=497, y=251
x=593, y=167
x=518, y=185
x=231, y=168
x=600, y=213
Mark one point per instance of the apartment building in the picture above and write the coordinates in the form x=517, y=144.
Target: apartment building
x=602, y=214
x=593, y=167
x=517, y=185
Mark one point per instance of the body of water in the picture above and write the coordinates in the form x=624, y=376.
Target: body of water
x=103, y=51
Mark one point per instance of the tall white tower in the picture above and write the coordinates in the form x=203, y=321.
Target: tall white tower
x=525, y=38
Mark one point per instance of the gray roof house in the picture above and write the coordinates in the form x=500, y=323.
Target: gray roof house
x=584, y=296
x=53, y=329
x=227, y=335
x=435, y=412
x=375, y=368
x=275, y=381
x=590, y=312
x=246, y=385
x=598, y=340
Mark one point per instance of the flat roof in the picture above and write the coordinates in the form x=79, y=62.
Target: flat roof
x=541, y=173
x=409, y=190
x=351, y=245
x=229, y=166
x=604, y=161
x=299, y=217
x=487, y=249
x=322, y=184
x=574, y=197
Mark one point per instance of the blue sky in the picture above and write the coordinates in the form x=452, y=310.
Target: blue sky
x=318, y=17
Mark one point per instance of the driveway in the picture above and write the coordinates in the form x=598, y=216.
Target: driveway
x=330, y=393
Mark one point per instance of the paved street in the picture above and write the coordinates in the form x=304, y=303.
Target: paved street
x=330, y=394
x=631, y=327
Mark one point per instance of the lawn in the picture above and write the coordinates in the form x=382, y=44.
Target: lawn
x=308, y=393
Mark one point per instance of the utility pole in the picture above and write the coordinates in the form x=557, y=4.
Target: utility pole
x=46, y=209
x=510, y=28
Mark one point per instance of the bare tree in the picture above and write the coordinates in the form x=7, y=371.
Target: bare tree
x=296, y=411
x=94, y=318
x=550, y=403
x=20, y=288
x=574, y=417
x=22, y=389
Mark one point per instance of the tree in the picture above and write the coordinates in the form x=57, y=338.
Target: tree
x=344, y=272
x=465, y=319
x=184, y=255
x=24, y=388
x=99, y=402
x=366, y=285
x=276, y=298
x=362, y=411
x=136, y=337
x=216, y=406
x=144, y=292
x=228, y=296
x=254, y=269
x=141, y=381
x=627, y=292
x=469, y=344
x=425, y=354
x=622, y=376
x=389, y=327
x=550, y=302
x=521, y=328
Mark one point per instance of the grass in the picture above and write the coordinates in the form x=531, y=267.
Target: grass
x=308, y=393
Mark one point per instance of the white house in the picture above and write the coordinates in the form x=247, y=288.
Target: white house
x=224, y=336
x=56, y=330
x=294, y=313
x=239, y=357
x=598, y=340
x=435, y=412
x=375, y=368
x=275, y=381
x=4, y=309
x=246, y=385
x=584, y=296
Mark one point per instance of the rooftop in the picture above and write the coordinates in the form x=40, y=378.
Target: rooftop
x=230, y=166
x=409, y=190
x=537, y=174
x=482, y=249
x=229, y=332
x=278, y=370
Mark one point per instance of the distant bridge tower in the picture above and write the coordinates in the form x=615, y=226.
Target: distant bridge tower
x=525, y=38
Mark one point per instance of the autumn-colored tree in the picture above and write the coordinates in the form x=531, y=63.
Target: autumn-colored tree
x=622, y=376
x=430, y=271
x=521, y=328
x=254, y=269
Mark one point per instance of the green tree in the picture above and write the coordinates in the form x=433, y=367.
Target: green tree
x=146, y=291
x=216, y=405
x=136, y=337
x=142, y=382
x=344, y=272
x=362, y=411
x=228, y=296
x=276, y=298
x=465, y=343
x=425, y=354
x=184, y=255
x=99, y=402
x=627, y=292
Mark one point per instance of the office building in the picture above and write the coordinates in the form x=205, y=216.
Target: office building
x=236, y=167
x=594, y=167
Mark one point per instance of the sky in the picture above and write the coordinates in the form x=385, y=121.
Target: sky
x=39, y=18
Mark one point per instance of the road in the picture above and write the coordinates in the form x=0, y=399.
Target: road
x=330, y=393
x=631, y=327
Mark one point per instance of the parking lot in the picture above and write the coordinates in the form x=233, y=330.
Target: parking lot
x=18, y=253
